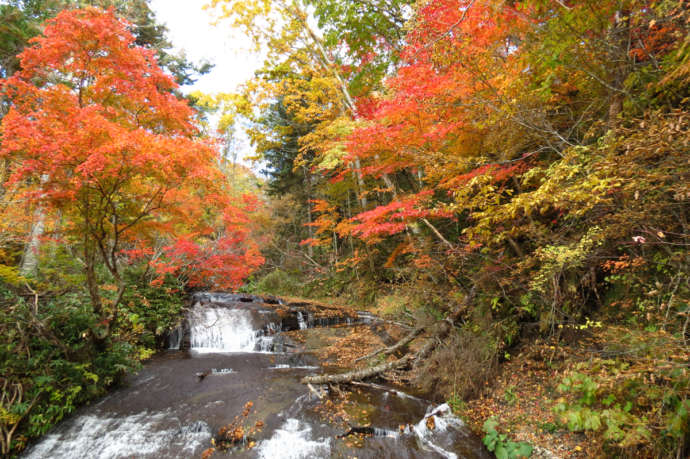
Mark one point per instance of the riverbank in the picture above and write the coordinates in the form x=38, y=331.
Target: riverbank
x=591, y=390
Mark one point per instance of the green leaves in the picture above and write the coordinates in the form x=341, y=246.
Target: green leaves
x=500, y=445
x=616, y=424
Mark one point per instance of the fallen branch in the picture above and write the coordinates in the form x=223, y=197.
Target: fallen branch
x=392, y=322
x=316, y=392
x=399, y=345
x=437, y=233
x=441, y=332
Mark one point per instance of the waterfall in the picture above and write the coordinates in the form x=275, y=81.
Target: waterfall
x=225, y=330
x=171, y=409
x=114, y=437
x=175, y=339
x=300, y=320
x=436, y=440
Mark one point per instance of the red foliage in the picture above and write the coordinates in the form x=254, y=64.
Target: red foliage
x=96, y=132
x=392, y=218
x=498, y=173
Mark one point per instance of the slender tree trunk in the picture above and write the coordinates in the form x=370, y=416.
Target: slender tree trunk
x=324, y=59
x=4, y=175
x=619, y=41
x=31, y=251
x=5, y=163
x=92, y=280
x=30, y=258
x=101, y=331
x=360, y=184
x=307, y=180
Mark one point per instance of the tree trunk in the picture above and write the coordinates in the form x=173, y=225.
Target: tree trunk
x=397, y=346
x=323, y=59
x=101, y=331
x=30, y=258
x=619, y=57
x=307, y=179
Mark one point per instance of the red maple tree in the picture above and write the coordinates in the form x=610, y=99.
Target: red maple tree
x=96, y=132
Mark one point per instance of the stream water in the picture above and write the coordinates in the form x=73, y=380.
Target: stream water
x=168, y=411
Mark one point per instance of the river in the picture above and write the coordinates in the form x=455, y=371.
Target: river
x=230, y=351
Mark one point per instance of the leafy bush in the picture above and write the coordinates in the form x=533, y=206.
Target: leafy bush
x=501, y=445
x=637, y=408
x=277, y=282
x=49, y=362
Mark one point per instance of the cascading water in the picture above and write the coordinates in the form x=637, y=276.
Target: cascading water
x=293, y=440
x=171, y=409
x=436, y=439
x=225, y=330
x=300, y=320
x=140, y=435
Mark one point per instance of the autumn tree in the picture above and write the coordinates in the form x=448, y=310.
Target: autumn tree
x=98, y=134
x=317, y=78
x=22, y=20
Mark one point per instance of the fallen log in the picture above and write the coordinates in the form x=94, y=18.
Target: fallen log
x=359, y=374
x=399, y=345
x=318, y=394
x=442, y=330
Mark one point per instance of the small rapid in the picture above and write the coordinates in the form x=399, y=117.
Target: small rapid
x=140, y=435
x=294, y=440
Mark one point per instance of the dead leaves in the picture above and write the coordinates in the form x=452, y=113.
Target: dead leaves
x=237, y=434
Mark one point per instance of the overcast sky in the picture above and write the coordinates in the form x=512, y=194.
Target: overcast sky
x=190, y=30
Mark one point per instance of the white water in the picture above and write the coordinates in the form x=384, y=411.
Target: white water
x=431, y=440
x=225, y=330
x=160, y=434
x=285, y=366
x=301, y=322
x=293, y=441
x=175, y=339
x=139, y=435
x=222, y=371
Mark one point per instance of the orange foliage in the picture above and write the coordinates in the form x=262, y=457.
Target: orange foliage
x=96, y=132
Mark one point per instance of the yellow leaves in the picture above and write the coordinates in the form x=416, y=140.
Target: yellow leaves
x=274, y=26
x=329, y=140
x=10, y=275
x=312, y=99
x=228, y=105
x=7, y=418
x=256, y=18
x=298, y=76
x=557, y=259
